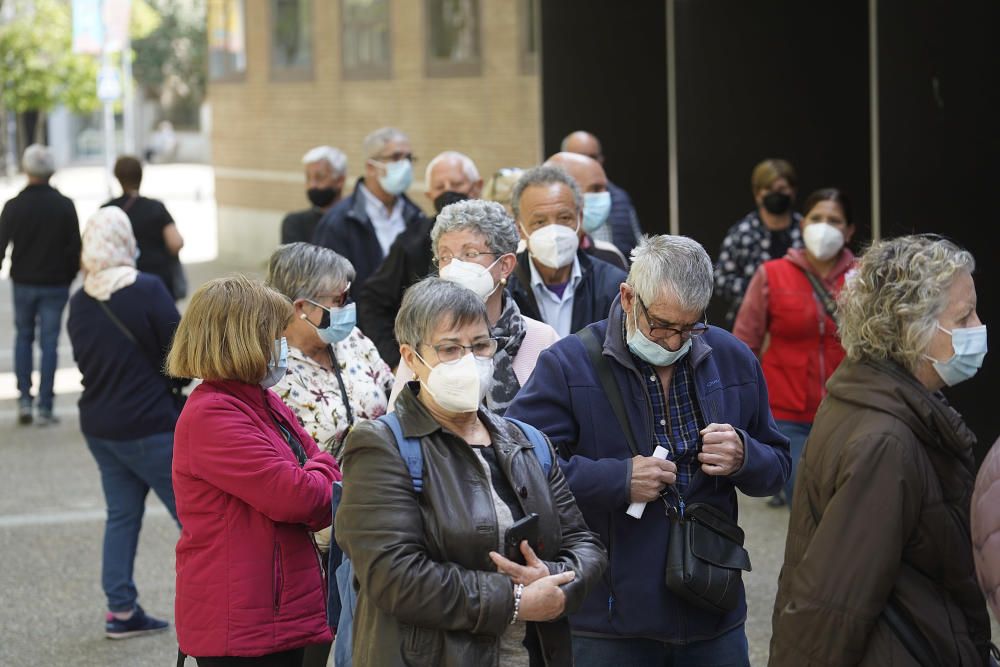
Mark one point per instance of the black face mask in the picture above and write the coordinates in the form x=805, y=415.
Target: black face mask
x=777, y=203
x=322, y=197
x=448, y=197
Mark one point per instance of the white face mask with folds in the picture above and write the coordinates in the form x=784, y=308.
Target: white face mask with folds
x=823, y=240
x=459, y=386
x=554, y=245
x=469, y=274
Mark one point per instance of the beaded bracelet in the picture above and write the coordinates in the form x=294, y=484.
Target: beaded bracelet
x=518, y=589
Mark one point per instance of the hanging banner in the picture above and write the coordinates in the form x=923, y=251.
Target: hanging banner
x=88, y=27
x=116, y=21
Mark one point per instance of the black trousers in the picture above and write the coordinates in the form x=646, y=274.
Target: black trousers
x=291, y=658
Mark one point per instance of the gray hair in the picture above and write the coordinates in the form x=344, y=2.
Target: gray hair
x=544, y=175
x=377, y=140
x=468, y=166
x=889, y=308
x=333, y=156
x=38, y=161
x=434, y=302
x=673, y=266
x=487, y=218
x=304, y=271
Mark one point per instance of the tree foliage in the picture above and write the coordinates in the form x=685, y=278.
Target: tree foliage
x=38, y=69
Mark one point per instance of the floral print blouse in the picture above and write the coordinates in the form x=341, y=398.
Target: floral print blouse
x=313, y=392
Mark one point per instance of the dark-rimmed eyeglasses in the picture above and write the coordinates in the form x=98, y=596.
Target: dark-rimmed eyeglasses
x=661, y=331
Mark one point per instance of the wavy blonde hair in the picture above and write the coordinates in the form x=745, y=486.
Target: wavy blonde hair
x=889, y=308
x=228, y=331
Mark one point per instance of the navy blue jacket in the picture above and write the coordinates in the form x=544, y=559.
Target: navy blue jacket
x=622, y=218
x=564, y=399
x=347, y=230
x=592, y=299
x=124, y=396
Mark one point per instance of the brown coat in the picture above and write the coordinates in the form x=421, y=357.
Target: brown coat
x=881, y=507
x=986, y=527
x=428, y=592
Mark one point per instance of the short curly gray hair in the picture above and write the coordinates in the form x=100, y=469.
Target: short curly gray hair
x=543, y=175
x=487, y=218
x=433, y=302
x=889, y=308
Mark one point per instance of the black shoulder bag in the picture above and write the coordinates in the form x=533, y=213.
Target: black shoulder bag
x=175, y=387
x=705, y=554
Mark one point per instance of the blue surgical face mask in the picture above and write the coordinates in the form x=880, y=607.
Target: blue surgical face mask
x=336, y=324
x=970, y=349
x=398, y=176
x=278, y=365
x=596, y=207
x=649, y=351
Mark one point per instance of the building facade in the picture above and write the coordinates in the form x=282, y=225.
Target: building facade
x=287, y=75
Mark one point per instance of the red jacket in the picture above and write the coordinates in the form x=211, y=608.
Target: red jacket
x=782, y=314
x=249, y=580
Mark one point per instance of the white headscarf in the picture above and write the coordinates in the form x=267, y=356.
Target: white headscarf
x=109, y=252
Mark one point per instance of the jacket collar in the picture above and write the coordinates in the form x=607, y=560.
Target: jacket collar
x=357, y=206
x=417, y=422
x=616, y=347
x=252, y=394
x=845, y=262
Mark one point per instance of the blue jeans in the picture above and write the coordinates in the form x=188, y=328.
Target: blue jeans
x=728, y=650
x=38, y=306
x=129, y=469
x=796, y=432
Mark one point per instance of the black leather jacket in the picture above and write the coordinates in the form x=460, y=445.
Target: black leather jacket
x=428, y=594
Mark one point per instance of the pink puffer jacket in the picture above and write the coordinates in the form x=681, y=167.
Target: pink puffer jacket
x=986, y=527
x=249, y=580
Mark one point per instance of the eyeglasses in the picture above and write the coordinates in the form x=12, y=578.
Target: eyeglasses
x=336, y=300
x=468, y=256
x=395, y=157
x=661, y=332
x=449, y=353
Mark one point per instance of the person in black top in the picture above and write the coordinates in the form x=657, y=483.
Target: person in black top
x=154, y=228
x=450, y=177
x=42, y=225
x=326, y=170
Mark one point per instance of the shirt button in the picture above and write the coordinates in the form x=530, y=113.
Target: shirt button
x=663, y=422
x=652, y=378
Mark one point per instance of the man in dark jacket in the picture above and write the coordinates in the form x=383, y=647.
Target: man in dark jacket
x=363, y=226
x=622, y=228
x=449, y=177
x=326, y=170
x=42, y=225
x=689, y=388
x=556, y=282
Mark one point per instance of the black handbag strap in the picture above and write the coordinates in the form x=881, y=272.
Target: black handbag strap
x=128, y=334
x=593, y=346
x=829, y=305
x=907, y=633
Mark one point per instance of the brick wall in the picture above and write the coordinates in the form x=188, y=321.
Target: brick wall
x=261, y=128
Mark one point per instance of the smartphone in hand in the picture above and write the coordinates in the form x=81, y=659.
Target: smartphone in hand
x=523, y=529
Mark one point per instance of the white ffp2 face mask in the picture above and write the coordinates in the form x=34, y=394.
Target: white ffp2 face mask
x=469, y=274
x=460, y=386
x=823, y=240
x=554, y=245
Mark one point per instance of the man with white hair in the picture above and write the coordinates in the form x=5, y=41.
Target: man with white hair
x=653, y=405
x=622, y=227
x=326, y=170
x=449, y=177
x=42, y=225
x=363, y=226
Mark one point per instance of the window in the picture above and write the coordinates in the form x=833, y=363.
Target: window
x=365, y=48
x=227, y=49
x=452, y=38
x=291, y=45
x=530, y=38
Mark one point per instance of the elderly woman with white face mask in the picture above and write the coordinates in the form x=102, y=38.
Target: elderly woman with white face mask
x=120, y=325
x=474, y=242
x=787, y=318
x=426, y=540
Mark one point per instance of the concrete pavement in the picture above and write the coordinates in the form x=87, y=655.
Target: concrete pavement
x=52, y=507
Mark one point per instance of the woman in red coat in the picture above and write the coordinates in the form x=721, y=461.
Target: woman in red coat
x=787, y=318
x=250, y=487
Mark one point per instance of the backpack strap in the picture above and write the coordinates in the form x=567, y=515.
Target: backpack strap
x=409, y=449
x=541, y=447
